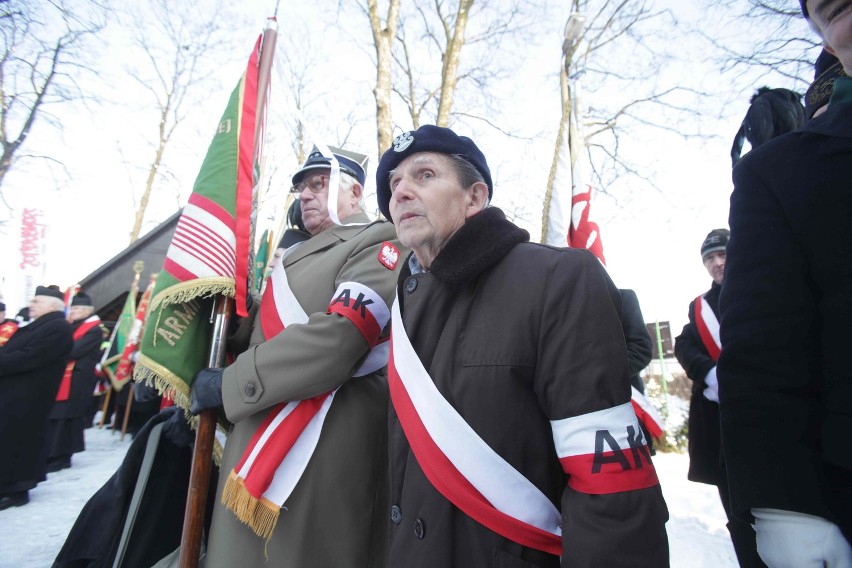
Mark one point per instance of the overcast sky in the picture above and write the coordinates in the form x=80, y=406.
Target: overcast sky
x=651, y=237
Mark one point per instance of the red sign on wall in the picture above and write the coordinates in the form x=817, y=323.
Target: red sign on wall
x=32, y=234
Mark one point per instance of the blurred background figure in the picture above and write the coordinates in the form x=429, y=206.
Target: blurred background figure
x=31, y=366
x=7, y=326
x=68, y=417
x=772, y=112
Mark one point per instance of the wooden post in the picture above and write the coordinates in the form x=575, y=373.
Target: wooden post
x=127, y=408
x=202, y=454
x=107, y=394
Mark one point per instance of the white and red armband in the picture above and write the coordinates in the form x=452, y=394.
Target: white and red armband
x=362, y=306
x=604, y=451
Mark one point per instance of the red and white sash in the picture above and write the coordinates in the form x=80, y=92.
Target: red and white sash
x=646, y=413
x=280, y=449
x=477, y=480
x=64, y=392
x=708, y=327
x=458, y=463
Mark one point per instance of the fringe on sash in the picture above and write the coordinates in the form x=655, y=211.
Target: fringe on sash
x=261, y=515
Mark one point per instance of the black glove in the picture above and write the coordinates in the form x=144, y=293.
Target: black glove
x=176, y=429
x=206, y=390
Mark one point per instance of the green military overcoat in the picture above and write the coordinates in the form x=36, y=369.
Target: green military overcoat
x=337, y=515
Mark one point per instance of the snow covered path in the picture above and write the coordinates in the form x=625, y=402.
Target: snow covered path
x=31, y=536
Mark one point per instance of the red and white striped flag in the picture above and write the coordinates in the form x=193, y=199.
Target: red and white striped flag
x=567, y=220
x=211, y=248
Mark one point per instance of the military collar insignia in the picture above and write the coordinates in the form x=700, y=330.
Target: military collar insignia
x=389, y=255
x=403, y=141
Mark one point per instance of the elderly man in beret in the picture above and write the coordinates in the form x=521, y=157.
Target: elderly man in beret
x=785, y=384
x=304, y=474
x=31, y=367
x=512, y=437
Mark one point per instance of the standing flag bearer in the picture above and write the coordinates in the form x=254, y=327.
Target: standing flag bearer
x=208, y=263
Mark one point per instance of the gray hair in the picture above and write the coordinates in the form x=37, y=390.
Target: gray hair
x=56, y=304
x=466, y=172
x=346, y=183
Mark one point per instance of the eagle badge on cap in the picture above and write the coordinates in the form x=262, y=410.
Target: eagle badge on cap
x=403, y=141
x=389, y=255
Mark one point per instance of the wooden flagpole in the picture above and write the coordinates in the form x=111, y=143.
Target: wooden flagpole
x=202, y=462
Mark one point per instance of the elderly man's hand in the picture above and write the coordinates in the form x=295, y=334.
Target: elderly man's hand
x=206, y=390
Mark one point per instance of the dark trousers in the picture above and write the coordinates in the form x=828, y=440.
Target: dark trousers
x=742, y=534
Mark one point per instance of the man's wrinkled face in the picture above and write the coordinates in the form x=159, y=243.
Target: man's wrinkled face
x=313, y=199
x=41, y=305
x=428, y=203
x=715, y=265
x=77, y=313
x=833, y=18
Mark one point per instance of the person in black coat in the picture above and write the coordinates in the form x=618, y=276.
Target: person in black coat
x=639, y=346
x=67, y=418
x=31, y=367
x=697, y=350
x=784, y=374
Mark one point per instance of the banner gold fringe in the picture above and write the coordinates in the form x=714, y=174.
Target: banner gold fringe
x=180, y=391
x=194, y=289
x=261, y=515
x=152, y=374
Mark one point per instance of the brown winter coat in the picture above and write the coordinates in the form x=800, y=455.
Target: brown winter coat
x=515, y=335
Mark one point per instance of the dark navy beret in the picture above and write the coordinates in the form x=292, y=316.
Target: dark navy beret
x=427, y=138
x=804, y=4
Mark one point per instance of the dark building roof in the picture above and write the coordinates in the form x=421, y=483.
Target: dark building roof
x=108, y=285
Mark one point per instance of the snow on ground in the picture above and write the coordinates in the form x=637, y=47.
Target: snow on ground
x=31, y=536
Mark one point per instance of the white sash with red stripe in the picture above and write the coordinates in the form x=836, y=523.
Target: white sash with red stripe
x=282, y=446
x=646, y=413
x=603, y=452
x=708, y=327
x=460, y=465
x=64, y=392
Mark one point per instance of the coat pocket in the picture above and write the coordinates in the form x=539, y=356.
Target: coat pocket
x=503, y=559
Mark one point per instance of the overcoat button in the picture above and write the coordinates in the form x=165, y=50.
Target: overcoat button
x=250, y=389
x=419, y=529
x=396, y=515
x=411, y=286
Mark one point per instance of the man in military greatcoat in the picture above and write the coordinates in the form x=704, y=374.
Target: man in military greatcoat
x=304, y=475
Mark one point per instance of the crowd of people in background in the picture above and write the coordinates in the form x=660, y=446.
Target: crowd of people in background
x=500, y=430
x=49, y=373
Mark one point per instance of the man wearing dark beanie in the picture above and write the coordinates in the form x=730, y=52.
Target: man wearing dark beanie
x=785, y=382
x=512, y=438
x=697, y=350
